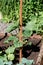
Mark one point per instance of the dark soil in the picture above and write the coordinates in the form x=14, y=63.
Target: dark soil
x=2, y=39
x=29, y=52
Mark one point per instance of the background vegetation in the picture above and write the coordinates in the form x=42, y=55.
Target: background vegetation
x=10, y=9
x=32, y=14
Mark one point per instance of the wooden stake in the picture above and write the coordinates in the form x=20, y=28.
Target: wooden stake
x=20, y=55
x=20, y=34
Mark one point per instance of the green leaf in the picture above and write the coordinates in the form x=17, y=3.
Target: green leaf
x=11, y=38
x=18, y=44
x=30, y=26
x=10, y=57
x=1, y=62
x=8, y=63
x=5, y=63
x=28, y=62
x=27, y=33
x=4, y=58
x=12, y=27
x=10, y=50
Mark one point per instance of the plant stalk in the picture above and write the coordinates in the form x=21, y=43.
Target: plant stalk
x=20, y=33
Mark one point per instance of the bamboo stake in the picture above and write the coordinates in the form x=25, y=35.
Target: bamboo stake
x=20, y=33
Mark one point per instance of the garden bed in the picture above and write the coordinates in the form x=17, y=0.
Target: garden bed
x=29, y=51
x=32, y=52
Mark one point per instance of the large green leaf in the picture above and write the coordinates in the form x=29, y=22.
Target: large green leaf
x=10, y=50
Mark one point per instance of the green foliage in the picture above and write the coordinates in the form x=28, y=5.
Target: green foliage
x=11, y=57
x=10, y=10
x=7, y=57
x=25, y=61
x=11, y=38
x=27, y=33
x=3, y=57
x=32, y=17
x=12, y=26
x=35, y=24
x=4, y=61
x=1, y=62
x=18, y=44
x=31, y=7
x=8, y=63
x=32, y=14
x=10, y=50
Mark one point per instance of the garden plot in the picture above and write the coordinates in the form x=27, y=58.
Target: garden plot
x=30, y=52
